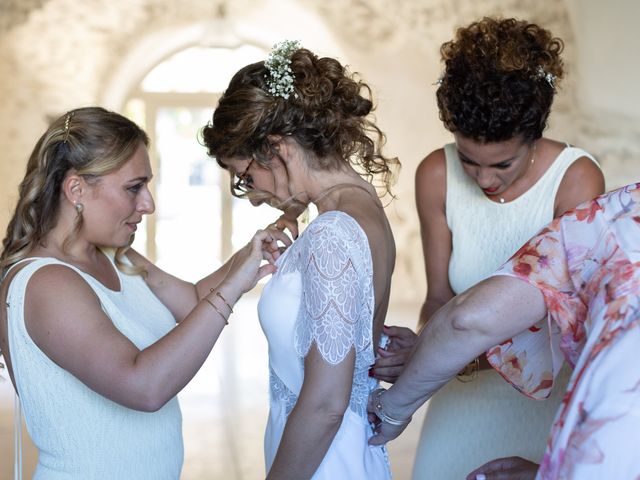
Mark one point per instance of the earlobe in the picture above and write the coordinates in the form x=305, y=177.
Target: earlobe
x=73, y=188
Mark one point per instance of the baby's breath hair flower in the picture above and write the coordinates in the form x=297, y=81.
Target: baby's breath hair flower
x=280, y=77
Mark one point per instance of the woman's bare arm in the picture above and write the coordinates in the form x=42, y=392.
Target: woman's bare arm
x=484, y=316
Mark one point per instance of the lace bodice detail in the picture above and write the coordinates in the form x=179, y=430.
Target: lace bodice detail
x=333, y=262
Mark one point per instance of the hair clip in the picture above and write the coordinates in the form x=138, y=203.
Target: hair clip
x=550, y=78
x=278, y=63
x=67, y=121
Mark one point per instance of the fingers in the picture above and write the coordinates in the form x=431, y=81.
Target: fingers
x=383, y=433
x=287, y=223
x=392, y=358
x=377, y=439
x=387, y=374
x=385, y=353
x=400, y=332
x=385, y=378
x=513, y=468
x=400, y=337
x=265, y=270
x=265, y=244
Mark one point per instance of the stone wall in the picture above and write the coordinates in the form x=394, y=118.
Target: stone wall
x=59, y=54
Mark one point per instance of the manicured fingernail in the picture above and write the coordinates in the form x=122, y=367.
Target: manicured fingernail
x=371, y=372
x=384, y=327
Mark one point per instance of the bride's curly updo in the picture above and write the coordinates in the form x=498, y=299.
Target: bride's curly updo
x=327, y=113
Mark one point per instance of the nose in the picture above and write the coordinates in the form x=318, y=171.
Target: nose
x=484, y=178
x=146, y=205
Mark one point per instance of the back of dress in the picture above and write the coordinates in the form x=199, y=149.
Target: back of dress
x=322, y=295
x=79, y=433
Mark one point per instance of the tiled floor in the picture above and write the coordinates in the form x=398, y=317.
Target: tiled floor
x=224, y=409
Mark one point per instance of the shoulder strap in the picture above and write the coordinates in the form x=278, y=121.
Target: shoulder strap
x=17, y=438
x=555, y=174
x=28, y=259
x=17, y=406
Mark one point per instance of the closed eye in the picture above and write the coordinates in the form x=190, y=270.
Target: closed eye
x=499, y=166
x=502, y=166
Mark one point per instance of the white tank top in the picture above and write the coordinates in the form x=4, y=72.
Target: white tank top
x=79, y=433
x=485, y=234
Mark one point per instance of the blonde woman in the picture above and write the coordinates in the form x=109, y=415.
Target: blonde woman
x=97, y=340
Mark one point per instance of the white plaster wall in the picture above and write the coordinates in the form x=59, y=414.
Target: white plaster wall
x=60, y=54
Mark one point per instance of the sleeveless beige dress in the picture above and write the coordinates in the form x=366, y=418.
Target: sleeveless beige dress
x=469, y=424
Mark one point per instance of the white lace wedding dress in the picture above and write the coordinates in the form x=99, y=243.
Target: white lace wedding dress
x=322, y=293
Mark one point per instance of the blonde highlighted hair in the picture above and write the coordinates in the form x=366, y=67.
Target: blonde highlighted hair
x=92, y=142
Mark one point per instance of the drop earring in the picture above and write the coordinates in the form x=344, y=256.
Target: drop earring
x=79, y=207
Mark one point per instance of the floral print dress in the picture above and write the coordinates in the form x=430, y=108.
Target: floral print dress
x=587, y=265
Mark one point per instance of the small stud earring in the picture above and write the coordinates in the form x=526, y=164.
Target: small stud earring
x=79, y=207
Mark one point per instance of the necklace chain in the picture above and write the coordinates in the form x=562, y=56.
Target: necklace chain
x=333, y=188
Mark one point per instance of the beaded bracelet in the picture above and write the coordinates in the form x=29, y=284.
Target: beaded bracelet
x=380, y=413
x=212, y=290
x=226, y=322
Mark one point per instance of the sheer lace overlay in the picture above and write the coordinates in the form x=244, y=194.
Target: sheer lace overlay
x=322, y=294
x=280, y=393
x=336, y=311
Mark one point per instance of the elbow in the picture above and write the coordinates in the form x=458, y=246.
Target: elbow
x=145, y=398
x=150, y=405
x=464, y=318
x=153, y=399
x=331, y=414
x=334, y=418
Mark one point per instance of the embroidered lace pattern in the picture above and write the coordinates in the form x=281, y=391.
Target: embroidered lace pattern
x=281, y=393
x=336, y=311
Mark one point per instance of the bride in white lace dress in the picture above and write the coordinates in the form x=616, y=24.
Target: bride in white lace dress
x=291, y=130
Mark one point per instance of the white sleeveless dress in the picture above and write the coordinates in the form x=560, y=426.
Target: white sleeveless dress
x=322, y=293
x=469, y=424
x=79, y=434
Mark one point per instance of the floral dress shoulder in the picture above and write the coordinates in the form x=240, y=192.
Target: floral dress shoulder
x=587, y=266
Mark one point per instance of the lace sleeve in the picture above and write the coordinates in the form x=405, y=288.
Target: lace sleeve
x=337, y=293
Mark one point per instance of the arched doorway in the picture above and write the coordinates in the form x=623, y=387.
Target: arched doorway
x=197, y=224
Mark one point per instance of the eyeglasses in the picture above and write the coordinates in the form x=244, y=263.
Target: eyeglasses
x=243, y=179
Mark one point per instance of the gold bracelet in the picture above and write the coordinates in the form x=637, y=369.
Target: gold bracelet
x=222, y=298
x=226, y=322
x=470, y=371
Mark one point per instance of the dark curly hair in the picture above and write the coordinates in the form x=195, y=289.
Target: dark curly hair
x=494, y=86
x=327, y=114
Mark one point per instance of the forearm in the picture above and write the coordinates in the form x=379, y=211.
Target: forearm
x=486, y=315
x=429, y=308
x=445, y=351
x=306, y=439
x=160, y=371
x=204, y=285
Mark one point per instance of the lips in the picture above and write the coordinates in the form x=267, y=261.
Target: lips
x=490, y=190
x=133, y=225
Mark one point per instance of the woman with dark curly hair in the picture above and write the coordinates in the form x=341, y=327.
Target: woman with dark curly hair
x=478, y=200
x=294, y=130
